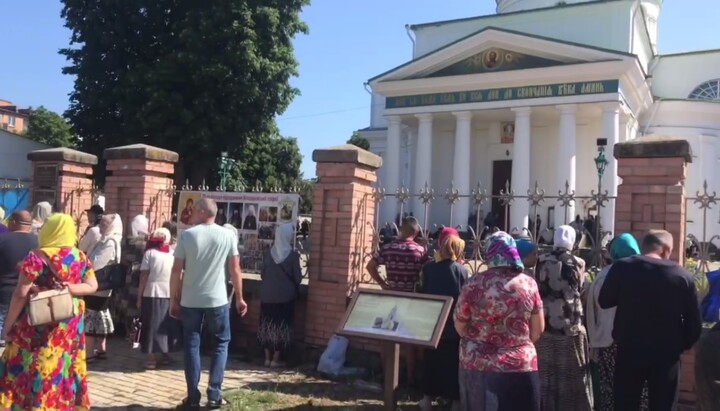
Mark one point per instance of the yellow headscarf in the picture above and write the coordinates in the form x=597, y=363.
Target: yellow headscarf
x=57, y=232
x=453, y=248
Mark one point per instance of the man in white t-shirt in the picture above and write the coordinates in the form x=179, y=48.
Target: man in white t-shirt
x=198, y=295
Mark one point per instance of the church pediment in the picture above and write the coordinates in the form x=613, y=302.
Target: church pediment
x=493, y=60
x=493, y=50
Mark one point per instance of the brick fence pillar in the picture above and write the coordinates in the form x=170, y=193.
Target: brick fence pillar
x=140, y=181
x=343, y=209
x=64, y=178
x=652, y=193
x=652, y=196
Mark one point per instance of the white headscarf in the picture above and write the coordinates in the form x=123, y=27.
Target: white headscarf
x=2, y=214
x=564, y=238
x=163, y=233
x=139, y=226
x=41, y=212
x=284, y=239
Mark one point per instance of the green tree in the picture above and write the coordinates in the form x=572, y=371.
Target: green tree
x=195, y=77
x=48, y=127
x=357, y=140
x=305, y=189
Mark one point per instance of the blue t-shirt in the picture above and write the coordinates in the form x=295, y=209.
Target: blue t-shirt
x=205, y=249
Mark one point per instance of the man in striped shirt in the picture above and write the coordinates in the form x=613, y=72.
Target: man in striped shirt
x=403, y=259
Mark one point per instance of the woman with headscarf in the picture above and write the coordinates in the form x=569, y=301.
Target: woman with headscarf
x=281, y=276
x=43, y=367
x=139, y=226
x=444, y=234
x=154, y=298
x=444, y=276
x=563, y=350
x=250, y=222
x=41, y=212
x=3, y=228
x=528, y=251
x=98, y=321
x=499, y=315
x=600, y=326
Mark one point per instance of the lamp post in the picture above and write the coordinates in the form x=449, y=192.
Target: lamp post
x=224, y=163
x=600, y=198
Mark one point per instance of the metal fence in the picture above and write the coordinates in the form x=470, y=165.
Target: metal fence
x=700, y=247
x=590, y=240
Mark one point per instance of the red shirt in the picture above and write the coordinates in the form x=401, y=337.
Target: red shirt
x=403, y=260
x=496, y=305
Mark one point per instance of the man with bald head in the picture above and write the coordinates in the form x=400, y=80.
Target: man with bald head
x=14, y=247
x=657, y=318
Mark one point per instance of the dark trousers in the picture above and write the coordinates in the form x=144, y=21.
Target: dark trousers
x=633, y=368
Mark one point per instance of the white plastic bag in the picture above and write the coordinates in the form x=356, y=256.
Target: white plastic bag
x=333, y=358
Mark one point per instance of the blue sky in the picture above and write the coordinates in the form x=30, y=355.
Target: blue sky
x=349, y=42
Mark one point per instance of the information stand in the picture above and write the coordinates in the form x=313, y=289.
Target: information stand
x=394, y=318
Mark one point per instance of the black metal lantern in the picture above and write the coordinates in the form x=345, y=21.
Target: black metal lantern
x=600, y=161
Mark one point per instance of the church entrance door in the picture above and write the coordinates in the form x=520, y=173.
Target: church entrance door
x=502, y=173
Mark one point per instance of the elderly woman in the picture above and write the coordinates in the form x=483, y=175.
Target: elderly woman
x=498, y=316
x=563, y=350
x=154, y=298
x=98, y=321
x=600, y=326
x=528, y=251
x=445, y=276
x=40, y=213
x=281, y=276
x=44, y=367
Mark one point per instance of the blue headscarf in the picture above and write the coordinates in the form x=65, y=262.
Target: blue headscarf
x=624, y=246
x=525, y=247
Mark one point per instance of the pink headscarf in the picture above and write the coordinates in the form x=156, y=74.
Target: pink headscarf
x=445, y=233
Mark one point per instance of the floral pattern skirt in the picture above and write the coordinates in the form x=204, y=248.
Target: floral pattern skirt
x=276, y=325
x=563, y=362
x=606, y=376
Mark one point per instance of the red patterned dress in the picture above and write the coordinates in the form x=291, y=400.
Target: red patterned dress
x=43, y=368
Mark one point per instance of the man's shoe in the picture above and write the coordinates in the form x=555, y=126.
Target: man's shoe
x=187, y=405
x=216, y=404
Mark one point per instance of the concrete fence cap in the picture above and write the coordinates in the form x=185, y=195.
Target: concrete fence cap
x=142, y=152
x=347, y=153
x=63, y=154
x=654, y=147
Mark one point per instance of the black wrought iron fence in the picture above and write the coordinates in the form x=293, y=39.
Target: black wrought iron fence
x=701, y=243
x=589, y=244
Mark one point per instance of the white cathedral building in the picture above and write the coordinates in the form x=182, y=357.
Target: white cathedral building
x=523, y=96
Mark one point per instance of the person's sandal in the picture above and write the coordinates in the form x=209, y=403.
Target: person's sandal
x=186, y=405
x=216, y=404
x=278, y=364
x=150, y=365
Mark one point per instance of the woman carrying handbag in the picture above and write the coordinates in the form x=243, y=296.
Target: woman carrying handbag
x=53, y=352
x=281, y=276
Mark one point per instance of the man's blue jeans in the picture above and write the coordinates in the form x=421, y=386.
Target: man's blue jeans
x=218, y=322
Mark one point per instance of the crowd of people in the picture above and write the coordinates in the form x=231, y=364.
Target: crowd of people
x=188, y=285
x=530, y=333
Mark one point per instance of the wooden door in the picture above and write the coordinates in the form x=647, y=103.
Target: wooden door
x=502, y=173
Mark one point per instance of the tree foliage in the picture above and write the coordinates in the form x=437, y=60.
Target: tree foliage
x=48, y=127
x=359, y=141
x=305, y=189
x=190, y=76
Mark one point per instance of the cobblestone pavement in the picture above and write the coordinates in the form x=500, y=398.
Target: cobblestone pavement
x=121, y=383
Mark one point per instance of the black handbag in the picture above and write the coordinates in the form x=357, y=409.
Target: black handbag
x=112, y=276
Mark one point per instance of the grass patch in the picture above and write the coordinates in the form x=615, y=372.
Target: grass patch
x=248, y=400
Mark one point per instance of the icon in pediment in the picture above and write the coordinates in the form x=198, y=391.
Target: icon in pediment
x=494, y=59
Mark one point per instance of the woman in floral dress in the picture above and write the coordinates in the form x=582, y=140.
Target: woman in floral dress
x=44, y=367
x=498, y=316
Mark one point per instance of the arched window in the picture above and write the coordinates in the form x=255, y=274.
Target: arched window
x=709, y=90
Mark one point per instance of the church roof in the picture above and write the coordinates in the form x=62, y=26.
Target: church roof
x=518, y=33
x=513, y=13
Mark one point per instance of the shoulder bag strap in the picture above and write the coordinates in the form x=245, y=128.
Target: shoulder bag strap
x=46, y=261
x=290, y=278
x=115, y=259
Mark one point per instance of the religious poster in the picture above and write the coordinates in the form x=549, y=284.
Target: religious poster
x=410, y=318
x=254, y=215
x=508, y=133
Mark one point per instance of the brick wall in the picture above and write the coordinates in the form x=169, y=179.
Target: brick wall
x=343, y=212
x=139, y=181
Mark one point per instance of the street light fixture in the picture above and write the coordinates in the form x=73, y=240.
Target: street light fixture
x=224, y=165
x=600, y=164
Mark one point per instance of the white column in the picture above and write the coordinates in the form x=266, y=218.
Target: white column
x=423, y=162
x=520, y=183
x=392, y=166
x=611, y=131
x=565, y=160
x=461, y=166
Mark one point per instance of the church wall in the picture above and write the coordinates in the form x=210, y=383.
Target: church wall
x=676, y=76
x=640, y=43
x=603, y=25
x=377, y=111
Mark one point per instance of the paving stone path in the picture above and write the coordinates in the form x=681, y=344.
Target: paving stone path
x=121, y=383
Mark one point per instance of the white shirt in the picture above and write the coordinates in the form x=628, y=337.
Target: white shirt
x=600, y=321
x=90, y=239
x=159, y=265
